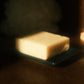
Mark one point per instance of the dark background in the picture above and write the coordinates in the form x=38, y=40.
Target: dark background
x=17, y=70
x=69, y=25
x=69, y=22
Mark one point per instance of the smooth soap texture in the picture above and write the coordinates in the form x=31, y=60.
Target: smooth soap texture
x=42, y=45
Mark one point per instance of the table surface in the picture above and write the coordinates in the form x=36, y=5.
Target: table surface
x=26, y=71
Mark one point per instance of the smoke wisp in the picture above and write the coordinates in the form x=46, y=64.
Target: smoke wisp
x=24, y=17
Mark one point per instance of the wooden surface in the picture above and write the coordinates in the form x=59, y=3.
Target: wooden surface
x=25, y=71
x=28, y=72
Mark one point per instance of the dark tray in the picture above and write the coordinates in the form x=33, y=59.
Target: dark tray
x=55, y=60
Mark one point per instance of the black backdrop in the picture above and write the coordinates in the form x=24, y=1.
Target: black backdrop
x=69, y=24
x=70, y=21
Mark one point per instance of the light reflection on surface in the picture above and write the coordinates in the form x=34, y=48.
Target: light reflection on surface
x=82, y=36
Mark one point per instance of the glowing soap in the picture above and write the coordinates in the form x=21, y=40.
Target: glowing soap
x=42, y=45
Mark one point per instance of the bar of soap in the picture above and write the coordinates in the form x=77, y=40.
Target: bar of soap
x=42, y=45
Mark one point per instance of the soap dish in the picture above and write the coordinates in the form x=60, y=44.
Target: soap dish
x=55, y=60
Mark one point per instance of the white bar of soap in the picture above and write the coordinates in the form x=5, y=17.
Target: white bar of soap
x=42, y=45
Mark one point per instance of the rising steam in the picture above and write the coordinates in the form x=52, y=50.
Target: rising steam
x=24, y=17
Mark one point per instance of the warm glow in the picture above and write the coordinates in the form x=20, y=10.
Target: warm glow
x=31, y=48
x=42, y=45
x=82, y=36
